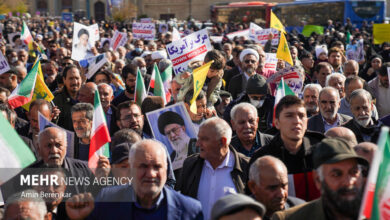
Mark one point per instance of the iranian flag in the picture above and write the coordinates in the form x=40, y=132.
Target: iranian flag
x=100, y=136
x=26, y=35
x=376, y=199
x=23, y=93
x=140, y=91
x=160, y=86
x=14, y=153
x=282, y=90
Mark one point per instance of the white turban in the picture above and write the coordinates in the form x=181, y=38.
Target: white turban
x=159, y=54
x=248, y=51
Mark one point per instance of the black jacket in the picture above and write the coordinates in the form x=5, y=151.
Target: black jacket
x=64, y=102
x=262, y=140
x=298, y=163
x=359, y=131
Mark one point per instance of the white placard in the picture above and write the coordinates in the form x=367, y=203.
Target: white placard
x=84, y=38
x=261, y=36
x=270, y=61
x=119, y=39
x=146, y=31
x=4, y=66
x=291, y=75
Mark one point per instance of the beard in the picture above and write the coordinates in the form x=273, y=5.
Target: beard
x=328, y=115
x=311, y=107
x=179, y=144
x=363, y=122
x=345, y=207
x=249, y=70
x=130, y=89
x=83, y=134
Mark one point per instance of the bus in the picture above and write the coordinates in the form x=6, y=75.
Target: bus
x=242, y=12
x=318, y=12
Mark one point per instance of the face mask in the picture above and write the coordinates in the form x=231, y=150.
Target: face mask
x=257, y=103
x=14, y=59
x=143, y=70
x=138, y=50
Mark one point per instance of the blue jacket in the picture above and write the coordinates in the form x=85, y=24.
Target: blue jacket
x=116, y=203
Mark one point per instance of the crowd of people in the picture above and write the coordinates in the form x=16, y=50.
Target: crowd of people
x=247, y=155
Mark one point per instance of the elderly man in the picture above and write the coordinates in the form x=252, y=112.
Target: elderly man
x=256, y=93
x=130, y=116
x=249, y=61
x=310, y=97
x=351, y=68
x=352, y=83
x=380, y=89
x=9, y=80
x=328, y=118
x=366, y=150
x=245, y=123
x=67, y=97
x=86, y=93
x=268, y=183
x=365, y=127
x=145, y=198
x=293, y=143
x=106, y=96
x=172, y=125
x=218, y=170
x=336, y=80
x=340, y=179
x=82, y=115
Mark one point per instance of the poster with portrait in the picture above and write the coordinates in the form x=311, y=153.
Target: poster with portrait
x=163, y=28
x=173, y=127
x=13, y=37
x=84, y=38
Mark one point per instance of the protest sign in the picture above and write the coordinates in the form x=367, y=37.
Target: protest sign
x=4, y=67
x=355, y=51
x=381, y=33
x=243, y=33
x=261, y=36
x=270, y=61
x=292, y=76
x=43, y=123
x=84, y=39
x=12, y=37
x=93, y=64
x=163, y=28
x=146, y=20
x=119, y=39
x=308, y=29
x=104, y=41
x=191, y=47
x=146, y=31
x=67, y=16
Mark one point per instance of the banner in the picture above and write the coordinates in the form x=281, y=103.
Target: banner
x=270, y=61
x=67, y=16
x=243, y=33
x=308, y=29
x=191, y=47
x=146, y=31
x=292, y=77
x=93, y=64
x=119, y=39
x=4, y=67
x=261, y=36
x=84, y=38
x=381, y=33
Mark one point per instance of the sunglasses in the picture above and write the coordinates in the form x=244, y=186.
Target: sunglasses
x=249, y=61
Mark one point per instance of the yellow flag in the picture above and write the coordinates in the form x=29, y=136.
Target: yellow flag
x=381, y=33
x=40, y=91
x=276, y=24
x=283, y=52
x=199, y=77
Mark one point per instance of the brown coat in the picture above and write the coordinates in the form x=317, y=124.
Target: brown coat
x=310, y=210
x=191, y=172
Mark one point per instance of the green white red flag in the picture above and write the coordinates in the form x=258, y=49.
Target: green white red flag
x=282, y=90
x=140, y=91
x=23, y=93
x=376, y=199
x=100, y=136
x=26, y=36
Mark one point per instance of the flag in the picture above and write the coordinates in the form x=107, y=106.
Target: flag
x=100, y=136
x=348, y=38
x=283, y=51
x=14, y=153
x=376, y=199
x=93, y=64
x=140, y=92
x=26, y=36
x=308, y=29
x=159, y=87
x=199, y=77
x=41, y=91
x=282, y=90
x=23, y=93
x=301, y=185
x=165, y=77
x=276, y=24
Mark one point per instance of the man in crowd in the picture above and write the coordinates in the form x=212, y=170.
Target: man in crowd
x=351, y=68
x=268, y=183
x=106, y=96
x=129, y=75
x=248, y=138
x=329, y=102
x=218, y=168
x=380, y=89
x=9, y=80
x=322, y=71
x=86, y=93
x=130, y=116
x=340, y=179
x=335, y=58
x=310, y=97
x=82, y=115
x=336, y=80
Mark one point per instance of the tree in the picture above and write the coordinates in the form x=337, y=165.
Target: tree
x=126, y=12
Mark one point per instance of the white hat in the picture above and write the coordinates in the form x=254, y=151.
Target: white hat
x=159, y=54
x=145, y=53
x=248, y=51
x=321, y=49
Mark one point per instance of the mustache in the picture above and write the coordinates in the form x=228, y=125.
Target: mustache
x=54, y=156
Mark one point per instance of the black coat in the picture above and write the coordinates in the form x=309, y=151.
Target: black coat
x=315, y=123
x=359, y=131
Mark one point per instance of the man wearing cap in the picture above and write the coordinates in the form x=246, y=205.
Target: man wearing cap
x=9, y=80
x=338, y=175
x=119, y=160
x=256, y=93
x=237, y=206
x=249, y=61
x=172, y=125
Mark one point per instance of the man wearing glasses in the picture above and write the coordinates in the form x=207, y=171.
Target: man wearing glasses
x=130, y=116
x=173, y=127
x=249, y=61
